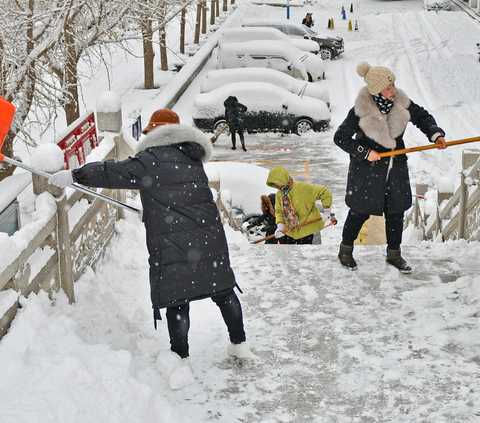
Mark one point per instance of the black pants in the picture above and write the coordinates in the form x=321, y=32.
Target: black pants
x=305, y=240
x=178, y=321
x=234, y=140
x=355, y=221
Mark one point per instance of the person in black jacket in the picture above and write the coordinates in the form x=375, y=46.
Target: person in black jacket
x=234, y=115
x=308, y=20
x=376, y=185
x=189, y=258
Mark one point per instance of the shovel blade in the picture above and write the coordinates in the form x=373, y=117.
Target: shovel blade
x=7, y=111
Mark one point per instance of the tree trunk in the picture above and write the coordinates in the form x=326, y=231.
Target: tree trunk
x=148, y=55
x=182, y=31
x=7, y=169
x=163, y=49
x=212, y=12
x=198, y=22
x=204, y=16
x=225, y=5
x=70, y=84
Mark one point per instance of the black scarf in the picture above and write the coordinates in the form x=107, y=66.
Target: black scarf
x=383, y=103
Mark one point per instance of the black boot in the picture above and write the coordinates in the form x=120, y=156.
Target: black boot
x=395, y=258
x=242, y=140
x=346, y=258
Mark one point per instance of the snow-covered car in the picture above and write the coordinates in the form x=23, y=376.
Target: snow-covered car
x=271, y=54
x=330, y=47
x=269, y=109
x=436, y=4
x=217, y=78
x=235, y=35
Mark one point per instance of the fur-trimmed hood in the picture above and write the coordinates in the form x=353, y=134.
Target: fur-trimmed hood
x=176, y=134
x=382, y=128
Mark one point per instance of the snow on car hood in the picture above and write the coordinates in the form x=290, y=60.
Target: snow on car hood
x=220, y=77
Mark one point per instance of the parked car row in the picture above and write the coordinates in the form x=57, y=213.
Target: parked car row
x=220, y=77
x=272, y=73
x=271, y=54
x=236, y=35
x=330, y=47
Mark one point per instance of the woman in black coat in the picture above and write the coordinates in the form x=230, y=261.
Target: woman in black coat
x=189, y=257
x=234, y=115
x=376, y=185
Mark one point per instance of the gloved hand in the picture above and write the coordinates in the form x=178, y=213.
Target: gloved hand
x=278, y=232
x=62, y=178
x=326, y=214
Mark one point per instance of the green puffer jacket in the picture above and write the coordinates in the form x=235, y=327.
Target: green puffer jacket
x=303, y=197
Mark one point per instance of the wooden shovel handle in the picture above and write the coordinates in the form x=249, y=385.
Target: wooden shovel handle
x=427, y=147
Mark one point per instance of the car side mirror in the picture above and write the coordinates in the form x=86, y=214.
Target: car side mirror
x=289, y=66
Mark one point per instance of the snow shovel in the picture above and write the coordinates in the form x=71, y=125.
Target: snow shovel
x=333, y=221
x=427, y=147
x=215, y=137
x=7, y=111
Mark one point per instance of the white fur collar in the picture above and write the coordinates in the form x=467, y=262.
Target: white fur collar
x=176, y=134
x=382, y=128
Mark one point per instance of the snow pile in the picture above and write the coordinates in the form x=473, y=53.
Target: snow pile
x=48, y=157
x=108, y=102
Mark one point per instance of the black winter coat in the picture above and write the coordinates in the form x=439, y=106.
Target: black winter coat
x=186, y=241
x=234, y=113
x=365, y=129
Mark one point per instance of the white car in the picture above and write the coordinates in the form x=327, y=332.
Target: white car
x=235, y=35
x=271, y=54
x=217, y=78
x=330, y=46
x=269, y=109
x=436, y=4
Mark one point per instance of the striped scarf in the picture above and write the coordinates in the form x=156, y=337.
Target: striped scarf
x=289, y=213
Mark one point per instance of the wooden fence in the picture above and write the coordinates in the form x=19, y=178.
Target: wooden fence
x=455, y=215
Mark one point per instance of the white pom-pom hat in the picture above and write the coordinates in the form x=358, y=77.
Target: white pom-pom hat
x=377, y=77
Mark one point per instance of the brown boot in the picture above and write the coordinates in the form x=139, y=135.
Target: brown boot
x=395, y=258
x=346, y=258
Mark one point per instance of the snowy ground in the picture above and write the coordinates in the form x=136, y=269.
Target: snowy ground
x=331, y=346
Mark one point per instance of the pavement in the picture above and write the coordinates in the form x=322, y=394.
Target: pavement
x=336, y=346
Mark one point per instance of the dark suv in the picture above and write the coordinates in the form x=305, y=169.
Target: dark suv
x=330, y=47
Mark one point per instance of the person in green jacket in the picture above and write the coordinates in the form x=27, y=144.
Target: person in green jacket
x=295, y=205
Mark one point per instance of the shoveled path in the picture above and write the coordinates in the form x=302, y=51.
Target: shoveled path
x=333, y=345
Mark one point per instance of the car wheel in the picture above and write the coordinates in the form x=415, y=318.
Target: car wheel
x=310, y=79
x=302, y=126
x=218, y=125
x=326, y=53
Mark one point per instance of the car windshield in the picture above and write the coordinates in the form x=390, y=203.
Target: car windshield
x=308, y=30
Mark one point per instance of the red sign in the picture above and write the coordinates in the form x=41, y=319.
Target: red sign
x=78, y=144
